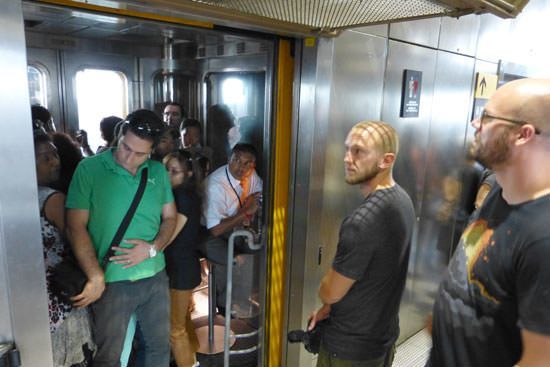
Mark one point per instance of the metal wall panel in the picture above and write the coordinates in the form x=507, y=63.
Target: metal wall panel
x=47, y=58
x=348, y=89
x=459, y=34
x=423, y=32
x=308, y=171
x=493, y=37
x=356, y=95
x=445, y=161
x=381, y=30
x=23, y=302
x=148, y=69
x=411, y=164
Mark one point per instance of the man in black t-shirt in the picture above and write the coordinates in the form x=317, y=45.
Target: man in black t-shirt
x=493, y=305
x=362, y=291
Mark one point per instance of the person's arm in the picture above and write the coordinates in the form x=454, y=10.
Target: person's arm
x=82, y=139
x=536, y=349
x=54, y=210
x=319, y=315
x=140, y=251
x=77, y=233
x=181, y=221
x=334, y=287
x=246, y=212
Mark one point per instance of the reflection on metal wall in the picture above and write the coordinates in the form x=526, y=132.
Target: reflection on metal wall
x=23, y=302
x=365, y=82
x=356, y=95
x=411, y=165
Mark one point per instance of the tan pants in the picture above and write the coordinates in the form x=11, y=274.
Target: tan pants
x=183, y=339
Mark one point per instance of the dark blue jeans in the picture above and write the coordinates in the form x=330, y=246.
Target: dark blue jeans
x=149, y=299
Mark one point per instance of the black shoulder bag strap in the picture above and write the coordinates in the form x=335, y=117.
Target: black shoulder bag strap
x=127, y=218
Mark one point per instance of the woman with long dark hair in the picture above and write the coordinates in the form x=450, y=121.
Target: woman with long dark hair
x=71, y=335
x=182, y=261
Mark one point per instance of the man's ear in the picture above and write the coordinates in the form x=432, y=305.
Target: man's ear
x=526, y=133
x=387, y=160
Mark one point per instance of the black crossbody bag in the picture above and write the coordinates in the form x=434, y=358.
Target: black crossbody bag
x=68, y=279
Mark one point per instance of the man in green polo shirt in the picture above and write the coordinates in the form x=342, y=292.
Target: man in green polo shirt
x=134, y=280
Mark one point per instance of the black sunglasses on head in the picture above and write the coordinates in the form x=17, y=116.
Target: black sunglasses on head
x=146, y=127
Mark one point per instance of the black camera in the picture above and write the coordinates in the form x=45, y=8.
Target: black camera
x=311, y=338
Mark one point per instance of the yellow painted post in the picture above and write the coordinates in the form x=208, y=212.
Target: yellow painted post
x=277, y=250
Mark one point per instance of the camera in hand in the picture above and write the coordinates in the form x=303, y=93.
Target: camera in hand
x=311, y=338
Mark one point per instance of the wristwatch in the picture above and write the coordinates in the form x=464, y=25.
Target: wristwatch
x=152, y=251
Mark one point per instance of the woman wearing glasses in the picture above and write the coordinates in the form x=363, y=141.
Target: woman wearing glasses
x=182, y=261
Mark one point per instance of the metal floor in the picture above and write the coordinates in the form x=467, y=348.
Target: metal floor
x=413, y=352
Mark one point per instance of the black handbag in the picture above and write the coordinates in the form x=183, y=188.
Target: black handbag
x=68, y=279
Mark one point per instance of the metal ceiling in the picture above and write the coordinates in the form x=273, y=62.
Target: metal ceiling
x=298, y=17
x=331, y=16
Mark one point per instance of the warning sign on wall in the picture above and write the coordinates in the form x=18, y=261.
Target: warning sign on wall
x=486, y=84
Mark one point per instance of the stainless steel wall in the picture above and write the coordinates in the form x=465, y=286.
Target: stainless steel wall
x=336, y=78
x=23, y=302
x=358, y=76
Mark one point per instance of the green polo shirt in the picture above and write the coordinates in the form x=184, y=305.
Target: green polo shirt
x=106, y=190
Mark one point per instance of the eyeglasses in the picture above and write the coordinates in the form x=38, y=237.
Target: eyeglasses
x=484, y=116
x=243, y=162
x=146, y=127
x=175, y=172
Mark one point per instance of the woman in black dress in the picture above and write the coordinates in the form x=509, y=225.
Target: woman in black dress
x=182, y=261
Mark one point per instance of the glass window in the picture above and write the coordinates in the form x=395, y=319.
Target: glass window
x=234, y=95
x=37, y=85
x=100, y=93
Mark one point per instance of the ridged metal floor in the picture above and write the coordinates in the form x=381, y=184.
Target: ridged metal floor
x=414, y=352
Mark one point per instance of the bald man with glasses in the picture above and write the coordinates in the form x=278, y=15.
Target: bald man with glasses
x=493, y=305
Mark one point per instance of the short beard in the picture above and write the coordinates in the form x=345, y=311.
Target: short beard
x=365, y=177
x=495, y=152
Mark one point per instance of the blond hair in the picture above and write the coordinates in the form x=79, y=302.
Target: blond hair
x=385, y=136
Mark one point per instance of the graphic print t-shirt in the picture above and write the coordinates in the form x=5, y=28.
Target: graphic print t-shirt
x=497, y=283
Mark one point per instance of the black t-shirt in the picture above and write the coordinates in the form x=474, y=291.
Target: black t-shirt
x=373, y=249
x=182, y=260
x=497, y=283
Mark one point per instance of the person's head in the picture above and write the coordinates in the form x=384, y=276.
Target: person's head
x=107, y=128
x=47, y=160
x=191, y=132
x=514, y=120
x=183, y=169
x=242, y=160
x=204, y=163
x=173, y=114
x=179, y=165
x=40, y=113
x=70, y=155
x=371, y=149
x=140, y=133
x=168, y=142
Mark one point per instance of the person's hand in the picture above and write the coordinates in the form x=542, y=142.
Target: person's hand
x=92, y=292
x=251, y=204
x=319, y=315
x=82, y=138
x=132, y=256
